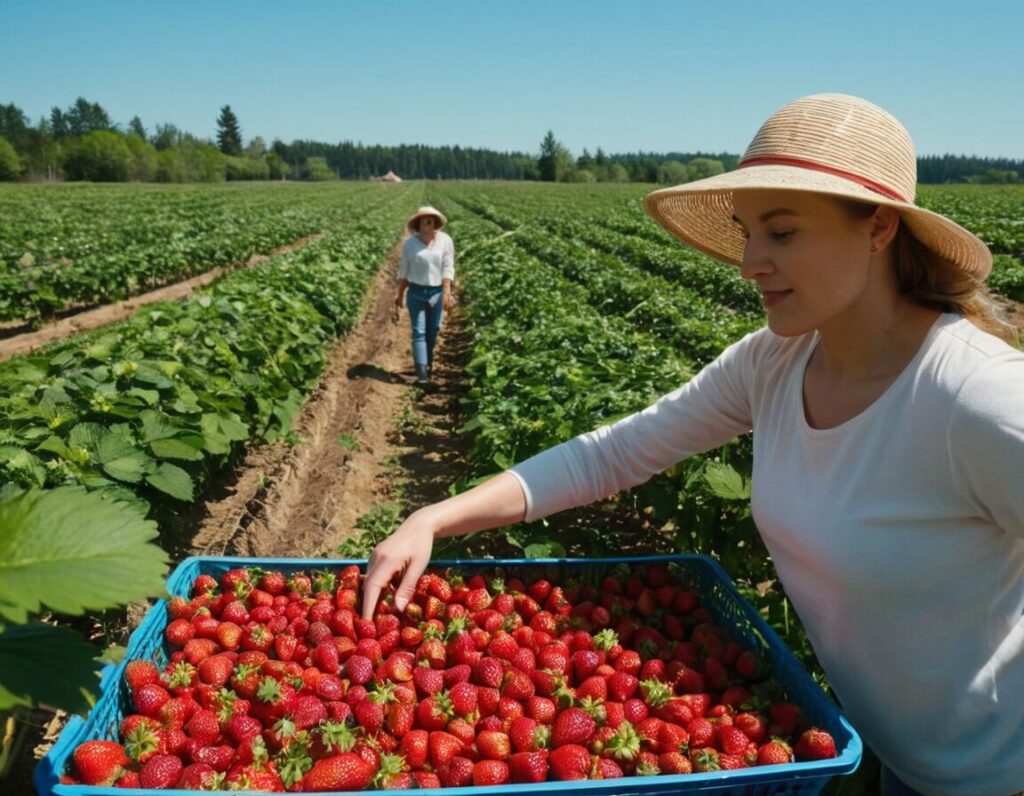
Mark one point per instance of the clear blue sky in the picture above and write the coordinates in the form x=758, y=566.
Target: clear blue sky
x=625, y=76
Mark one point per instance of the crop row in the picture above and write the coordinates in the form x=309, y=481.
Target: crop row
x=152, y=407
x=552, y=357
x=67, y=246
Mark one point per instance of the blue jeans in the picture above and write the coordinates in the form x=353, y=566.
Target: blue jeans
x=426, y=308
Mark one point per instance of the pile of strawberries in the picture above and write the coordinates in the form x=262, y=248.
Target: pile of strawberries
x=276, y=683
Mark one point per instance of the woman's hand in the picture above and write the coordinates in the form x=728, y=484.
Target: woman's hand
x=448, y=301
x=406, y=552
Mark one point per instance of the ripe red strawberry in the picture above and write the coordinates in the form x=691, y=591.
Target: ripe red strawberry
x=595, y=687
x=150, y=698
x=464, y=698
x=774, y=753
x=621, y=686
x=490, y=772
x=443, y=747
x=160, y=771
x=527, y=735
x=347, y=771
x=399, y=719
x=457, y=773
x=204, y=727
x=179, y=632
x=732, y=740
x=702, y=733
x=493, y=745
x=540, y=709
x=415, y=748
x=517, y=685
x=815, y=744
x=307, y=711
x=674, y=763
x=528, y=766
x=358, y=669
x=138, y=673
x=99, y=762
x=753, y=724
x=216, y=670
x=369, y=716
x=217, y=757
x=434, y=712
x=489, y=672
x=569, y=762
x=197, y=776
x=584, y=662
x=573, y=726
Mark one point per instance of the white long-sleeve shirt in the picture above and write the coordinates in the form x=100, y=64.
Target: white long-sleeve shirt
x=428, y=264
x=899, y=534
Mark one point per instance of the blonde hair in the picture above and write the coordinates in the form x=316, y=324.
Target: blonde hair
x=931, y=280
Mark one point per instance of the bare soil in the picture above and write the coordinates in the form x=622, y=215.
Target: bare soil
x=19, y=339
x=303, y=500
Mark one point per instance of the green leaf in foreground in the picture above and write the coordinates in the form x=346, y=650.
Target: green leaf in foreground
x=43, y=664
x=725, y=482
x=70, y=551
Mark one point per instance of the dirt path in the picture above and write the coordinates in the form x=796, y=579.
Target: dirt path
x=118, y=311
x=304, y=500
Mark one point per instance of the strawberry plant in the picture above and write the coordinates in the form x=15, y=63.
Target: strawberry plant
x=64, y=552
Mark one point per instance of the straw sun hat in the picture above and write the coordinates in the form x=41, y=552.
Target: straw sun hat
x=831, y=144
x=426, y=210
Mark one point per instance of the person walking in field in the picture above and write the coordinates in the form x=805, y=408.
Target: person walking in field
x=425, y=278
x=887, y=412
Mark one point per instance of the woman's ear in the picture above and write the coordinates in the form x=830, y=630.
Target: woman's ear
x=885, y=223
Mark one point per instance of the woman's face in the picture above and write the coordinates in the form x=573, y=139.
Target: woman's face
x=428, y=224
x=809, y=256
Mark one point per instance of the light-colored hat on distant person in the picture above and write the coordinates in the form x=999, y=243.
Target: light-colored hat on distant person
x=831, y=144
x=426, y=210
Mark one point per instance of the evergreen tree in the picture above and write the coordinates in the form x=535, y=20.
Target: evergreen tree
x=229, y=134
x=135, y=126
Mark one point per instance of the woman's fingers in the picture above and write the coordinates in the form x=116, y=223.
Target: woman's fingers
x=378, y=575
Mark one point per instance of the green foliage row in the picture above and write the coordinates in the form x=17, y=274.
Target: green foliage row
x=69, y=245
x=154, y=406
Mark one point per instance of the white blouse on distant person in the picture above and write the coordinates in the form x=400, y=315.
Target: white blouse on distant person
x=898, y=535
x=428, y=264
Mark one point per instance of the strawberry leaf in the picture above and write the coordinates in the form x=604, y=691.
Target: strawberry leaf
x=71, y=551
x=172, y=480
x=40, y=663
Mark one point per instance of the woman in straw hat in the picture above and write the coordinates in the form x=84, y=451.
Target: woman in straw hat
x=888, y=437
x=425, y=278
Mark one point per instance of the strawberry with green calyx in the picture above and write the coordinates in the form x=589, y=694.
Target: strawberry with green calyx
x=606, y=640
x=624, y=744
x=332, y=738
x=655, y=693
x=775, y=752
x=393, y=773
x=594, y=707
x=293, y=761
x=705, y=759
x=142, y=742
x=324, y=582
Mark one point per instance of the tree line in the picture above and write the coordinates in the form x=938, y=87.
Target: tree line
x=82, y=142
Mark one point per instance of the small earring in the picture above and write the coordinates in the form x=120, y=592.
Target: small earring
x=874, y=248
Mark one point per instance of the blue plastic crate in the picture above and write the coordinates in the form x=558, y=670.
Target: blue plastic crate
x=719, y=595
